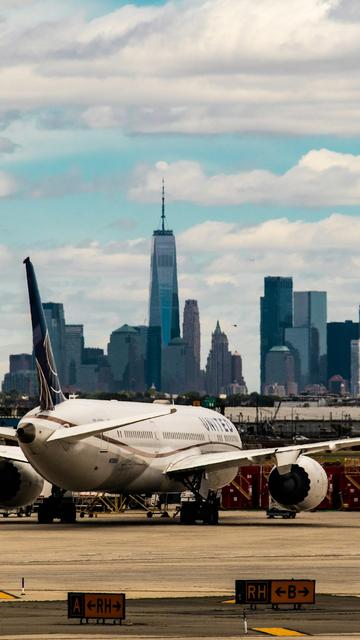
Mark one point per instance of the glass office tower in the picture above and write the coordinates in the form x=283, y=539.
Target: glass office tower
x=310, y=310
x=164, y=322
x=276, y=314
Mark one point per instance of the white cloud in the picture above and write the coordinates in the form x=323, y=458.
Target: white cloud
x=222, y=265
x=320, y=178
x=8, y=185
x=197, y=66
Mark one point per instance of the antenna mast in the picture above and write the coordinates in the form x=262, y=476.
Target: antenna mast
x=163, y=207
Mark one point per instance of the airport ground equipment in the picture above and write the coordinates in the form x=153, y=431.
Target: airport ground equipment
x=60, y=505
x=88, y=504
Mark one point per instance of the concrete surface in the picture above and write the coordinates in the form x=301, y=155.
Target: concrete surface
x=160, y=558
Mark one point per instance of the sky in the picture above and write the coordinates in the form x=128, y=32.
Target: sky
x=249, y=111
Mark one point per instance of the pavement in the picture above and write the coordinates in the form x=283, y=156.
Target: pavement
x=177, y=577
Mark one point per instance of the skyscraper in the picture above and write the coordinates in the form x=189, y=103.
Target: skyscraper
x=125, y=354
x=55, y=321
x=310, y=310
x=355, y=368
x=164, y=299
x=275, y=316
x=191, y=335
x=174, y=359
x=74, y=341
x=339, y=337
x=218, y=367
x=279, y=371
x=298, y=340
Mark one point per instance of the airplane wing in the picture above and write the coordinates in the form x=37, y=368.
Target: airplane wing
x=282, y=456
x=82, y=431
x=12, y=453
x=9, y=433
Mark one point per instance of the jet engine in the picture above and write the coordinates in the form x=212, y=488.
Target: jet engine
x=302, y=487
x=20, y=485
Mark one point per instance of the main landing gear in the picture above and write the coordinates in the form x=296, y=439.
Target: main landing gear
x=58, y=507
x=198, y=508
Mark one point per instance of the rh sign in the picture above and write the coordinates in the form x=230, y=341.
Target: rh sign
x=96, y=606
x=274, y=592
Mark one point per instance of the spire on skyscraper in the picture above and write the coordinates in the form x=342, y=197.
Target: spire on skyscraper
x=163, y=206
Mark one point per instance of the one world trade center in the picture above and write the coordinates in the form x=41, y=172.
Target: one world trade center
x=164, y=298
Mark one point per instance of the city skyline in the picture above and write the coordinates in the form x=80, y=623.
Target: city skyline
x=262, y=175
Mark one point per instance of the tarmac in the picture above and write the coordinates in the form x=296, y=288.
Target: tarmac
x=178, y=579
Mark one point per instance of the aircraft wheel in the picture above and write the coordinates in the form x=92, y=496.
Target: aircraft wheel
x=45, y=514
x=68, y=513
x=188, y=512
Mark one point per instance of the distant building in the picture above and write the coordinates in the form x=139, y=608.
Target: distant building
x=218, y=367
x=21, y=378
x=74, y=352
x=174, y=378
x=337, y=384
x=298, y=340
x=238, y=384
x=339, y=337
x=55, y=321
x=280, y=370
x=164, y=322
x=126, y=359
x=276, y=314
x=21, y=362
x=310, y=311
x=355, y=368
x=191, y=335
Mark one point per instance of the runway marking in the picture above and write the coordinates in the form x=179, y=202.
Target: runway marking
x=228, y=601
x=278, y=631
x=4, y=595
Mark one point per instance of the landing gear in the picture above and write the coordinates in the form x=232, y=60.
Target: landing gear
x=198, y=508
x=57, y=507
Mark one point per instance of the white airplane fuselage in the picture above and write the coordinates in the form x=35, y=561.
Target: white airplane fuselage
x=131, y=458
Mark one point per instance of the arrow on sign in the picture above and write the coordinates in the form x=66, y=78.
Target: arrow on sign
x=305, y=591
x=91, y=605
x=117, y=606
x=279, y=591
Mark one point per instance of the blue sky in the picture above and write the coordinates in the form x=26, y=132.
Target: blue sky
x=249, y=112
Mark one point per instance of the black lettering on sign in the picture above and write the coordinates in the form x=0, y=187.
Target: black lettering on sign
x=291, y=591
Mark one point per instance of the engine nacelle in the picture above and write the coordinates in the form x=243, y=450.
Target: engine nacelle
x=20, y=485
x=303, y=488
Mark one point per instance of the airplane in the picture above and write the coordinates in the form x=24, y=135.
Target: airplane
x=126, y=447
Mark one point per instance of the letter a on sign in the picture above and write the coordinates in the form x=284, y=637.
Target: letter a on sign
x=76, y=606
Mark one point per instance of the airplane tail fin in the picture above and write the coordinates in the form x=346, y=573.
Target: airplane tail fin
x=49, y=386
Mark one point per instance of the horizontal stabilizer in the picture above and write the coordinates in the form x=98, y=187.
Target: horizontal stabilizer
x=224, y=459
x=9, y=433
x=12, y=453
x=82, y=431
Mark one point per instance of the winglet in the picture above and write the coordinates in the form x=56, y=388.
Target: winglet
x=49, y=385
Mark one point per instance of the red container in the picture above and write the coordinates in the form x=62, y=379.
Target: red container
x=332, y=499
x=243, y=491
x=350, y=488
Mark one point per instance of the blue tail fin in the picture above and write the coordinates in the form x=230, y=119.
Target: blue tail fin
x=49, y=385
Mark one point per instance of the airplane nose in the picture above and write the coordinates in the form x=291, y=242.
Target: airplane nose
x=26, y=433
